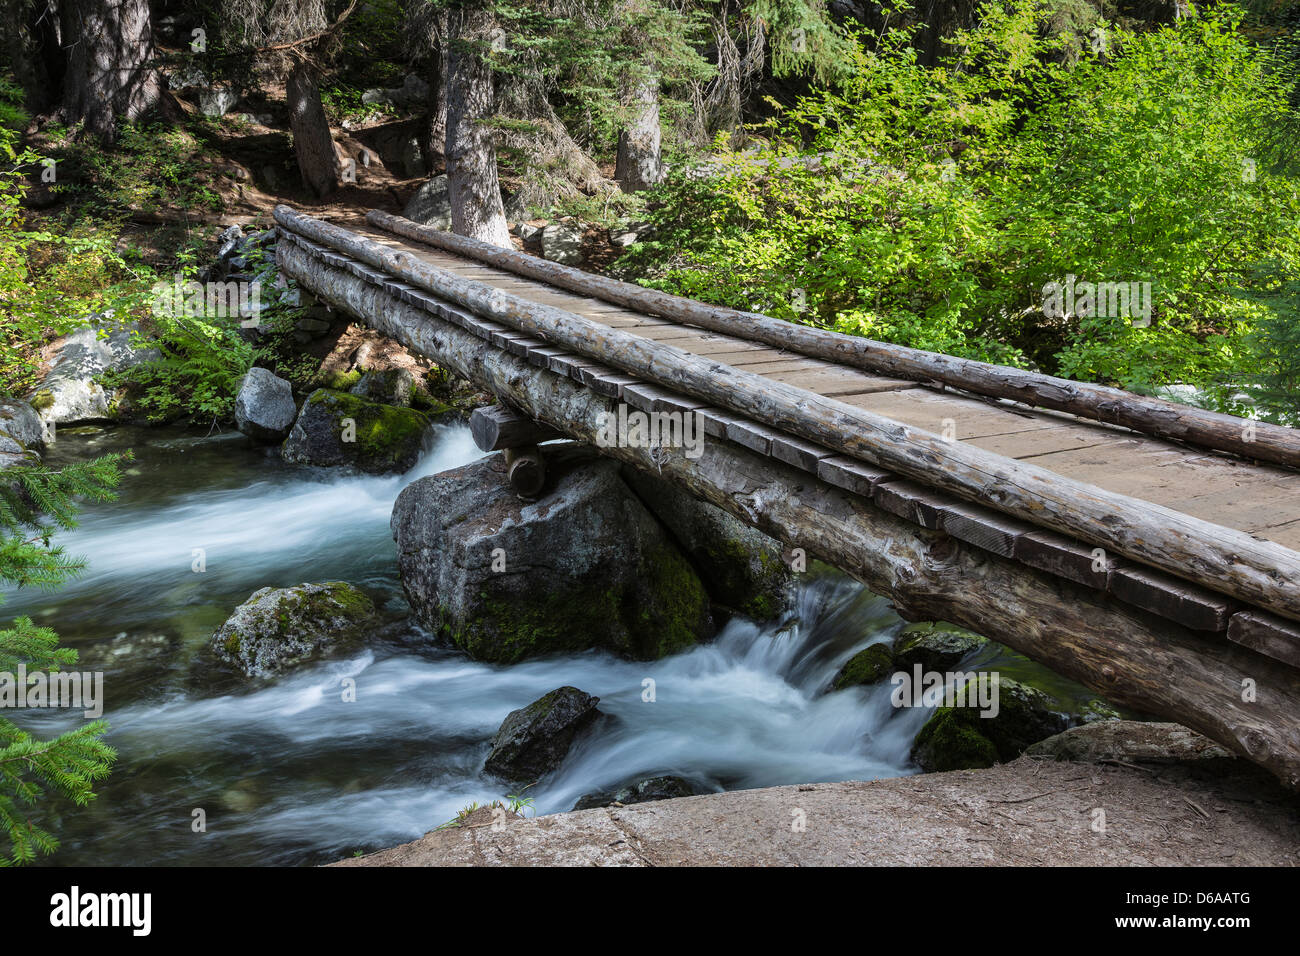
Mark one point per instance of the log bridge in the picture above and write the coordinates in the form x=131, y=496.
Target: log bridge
x=1149, y=550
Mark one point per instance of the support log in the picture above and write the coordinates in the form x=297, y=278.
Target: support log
x=1150, y=416
x=1133, y=658
x=498, y=427
x=1220, y=559
x=526, y=470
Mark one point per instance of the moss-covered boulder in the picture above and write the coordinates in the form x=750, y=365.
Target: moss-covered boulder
x=870, y=665
x=934, y=645
x=277, y=628
x=584, y=566
x=336, y=428
x=533, y=740
x=960, y=737
x=741, y=567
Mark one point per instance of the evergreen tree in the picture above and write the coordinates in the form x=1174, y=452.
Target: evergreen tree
x=35, y=502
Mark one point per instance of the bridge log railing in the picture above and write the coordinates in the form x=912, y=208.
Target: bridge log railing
x=1220, y=559
x=1135, y=659
x=1151, y=416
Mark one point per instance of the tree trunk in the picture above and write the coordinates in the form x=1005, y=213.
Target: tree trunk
x=476, y=208
x=434, y=138
x=110, y=74
x=639, y=165
x=312, y=143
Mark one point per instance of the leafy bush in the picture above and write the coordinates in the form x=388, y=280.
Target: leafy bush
x=932, y=206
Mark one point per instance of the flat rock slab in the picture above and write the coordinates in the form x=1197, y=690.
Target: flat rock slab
x=1028, y=812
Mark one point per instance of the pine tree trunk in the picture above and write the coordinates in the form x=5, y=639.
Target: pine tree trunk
x=639, y=164
x=110, y=75
x=476, y=208
x=312, y=143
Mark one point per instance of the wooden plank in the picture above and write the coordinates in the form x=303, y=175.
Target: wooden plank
x=654, y=398
x=1267, y=634
x=983, y=527
x=911, y=501
x=852, y=475
x=751, y=435
x=1066, y=558
x=797, y=452
x=1171, y=598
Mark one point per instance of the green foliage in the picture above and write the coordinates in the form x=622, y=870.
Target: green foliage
x=33, y=502
x=931, y=206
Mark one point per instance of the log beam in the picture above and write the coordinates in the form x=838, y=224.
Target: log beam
x=497, y=427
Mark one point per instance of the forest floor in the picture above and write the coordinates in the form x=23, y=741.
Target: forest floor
x=1031, y=811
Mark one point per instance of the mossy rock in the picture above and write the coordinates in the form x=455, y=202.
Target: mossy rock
x=584, y=566
x=870, y=665
x=961, y=738
x=534, y=740
x=336, y=428
x=934, y=645
x=278, y=628
x=390, y=386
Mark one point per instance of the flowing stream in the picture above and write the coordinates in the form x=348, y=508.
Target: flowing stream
x=290, y=773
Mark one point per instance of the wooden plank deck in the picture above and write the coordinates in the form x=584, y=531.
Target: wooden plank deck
x=1262, y=500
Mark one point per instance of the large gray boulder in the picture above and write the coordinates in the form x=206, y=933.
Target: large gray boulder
x=431, y=204
x=70, y=393
x=562, y=243
x=1129, y=740
x=742, y=568
x=277, y=628
x=264, y=407
x=20, y=422
x=337, y=428
x=534, y=740
x=584, y=566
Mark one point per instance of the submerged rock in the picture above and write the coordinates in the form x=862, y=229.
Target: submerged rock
x=935, y=646
x=868, y=666
x=741, y=567
x=337, y=428
x=960, y=738
x=643, y=791
x=277, y=628
x=533, y=740
x=584, y=566
x=264, y=406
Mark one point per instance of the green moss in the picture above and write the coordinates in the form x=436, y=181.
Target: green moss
x=42, y=399
x=868, y=666
x=948, y=742
x=336, y=380
x=665, y=617
x=423, y=401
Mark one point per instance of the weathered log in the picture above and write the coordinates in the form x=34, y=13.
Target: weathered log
x=526, y=470
x=1150, y=416
x=1220, y=559
x=1133, y=658
x=498, y=427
